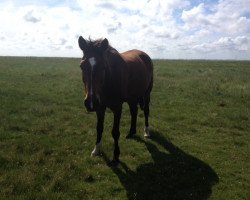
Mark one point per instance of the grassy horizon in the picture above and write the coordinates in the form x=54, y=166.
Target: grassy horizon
x=154, y=59
x=199, y=117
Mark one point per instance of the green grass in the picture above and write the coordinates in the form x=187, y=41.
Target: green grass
x=199, y=149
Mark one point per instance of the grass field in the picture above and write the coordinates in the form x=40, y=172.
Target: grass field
x=200, y=146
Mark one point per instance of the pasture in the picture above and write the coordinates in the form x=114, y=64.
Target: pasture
x=200, y=146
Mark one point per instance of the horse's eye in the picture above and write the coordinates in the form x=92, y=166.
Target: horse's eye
x=82, y=67
x=82, y=63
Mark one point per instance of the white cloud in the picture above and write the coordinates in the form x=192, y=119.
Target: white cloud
x=225, y=17
x=190, y=15
x=240, y=43
x=164, y=29
x=29, y=16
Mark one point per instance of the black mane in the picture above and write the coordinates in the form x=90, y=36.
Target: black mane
x=95, y=45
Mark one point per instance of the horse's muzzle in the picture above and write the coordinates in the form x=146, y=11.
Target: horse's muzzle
x=91, y=103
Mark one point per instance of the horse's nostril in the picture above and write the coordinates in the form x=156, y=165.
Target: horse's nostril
x=86, y=103
x=91, y=103
x=90, y=106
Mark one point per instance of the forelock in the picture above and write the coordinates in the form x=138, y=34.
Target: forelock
x=94, y=44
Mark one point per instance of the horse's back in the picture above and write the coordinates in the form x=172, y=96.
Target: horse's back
x=140, y=73
x=135, y=57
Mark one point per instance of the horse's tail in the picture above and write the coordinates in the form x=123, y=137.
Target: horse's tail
x=146, y=98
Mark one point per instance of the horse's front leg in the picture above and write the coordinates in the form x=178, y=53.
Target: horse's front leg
x=116, y=133
x=99, y=128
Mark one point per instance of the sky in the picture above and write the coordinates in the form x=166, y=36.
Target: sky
x=165, y=29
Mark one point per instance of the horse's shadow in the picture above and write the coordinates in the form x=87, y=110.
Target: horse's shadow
x=173, y=175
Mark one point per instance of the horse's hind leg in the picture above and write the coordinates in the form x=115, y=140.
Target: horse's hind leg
x=146, y=114
x=133, y=111
x=141, y=102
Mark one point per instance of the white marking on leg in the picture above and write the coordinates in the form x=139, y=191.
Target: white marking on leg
x=92, y=63
x=97, y=149
x=146, y=132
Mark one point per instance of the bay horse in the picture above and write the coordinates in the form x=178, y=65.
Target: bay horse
x=111, y=78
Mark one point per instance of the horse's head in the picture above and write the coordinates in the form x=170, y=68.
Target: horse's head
x=93, y=70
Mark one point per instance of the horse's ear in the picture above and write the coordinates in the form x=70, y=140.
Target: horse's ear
x=104, y=45
x=82, y=43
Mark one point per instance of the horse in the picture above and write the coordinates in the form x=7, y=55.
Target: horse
x=111, y=78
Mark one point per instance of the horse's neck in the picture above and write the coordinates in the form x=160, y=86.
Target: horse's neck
x=116, y=74
x=112, y=58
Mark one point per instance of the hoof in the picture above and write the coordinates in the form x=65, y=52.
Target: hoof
x=97, y=151
x=130, y=135
x=146, y=132
x=113, y=163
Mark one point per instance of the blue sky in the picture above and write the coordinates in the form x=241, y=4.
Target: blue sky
x=171, y=29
